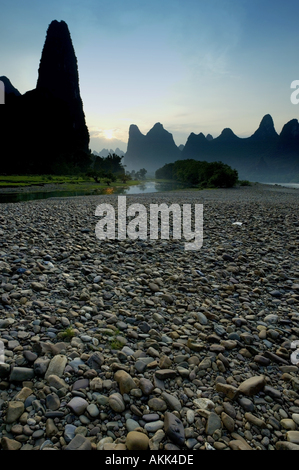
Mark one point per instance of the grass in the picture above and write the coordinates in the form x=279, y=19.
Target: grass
x=65, y=182
x=67, y=334
x=114, y=343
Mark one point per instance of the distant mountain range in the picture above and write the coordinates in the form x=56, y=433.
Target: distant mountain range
x=264, y=156
x=105, y=152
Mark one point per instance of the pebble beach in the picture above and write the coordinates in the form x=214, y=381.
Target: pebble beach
x=142, y=345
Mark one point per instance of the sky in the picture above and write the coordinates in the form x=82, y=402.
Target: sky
x=192, y=65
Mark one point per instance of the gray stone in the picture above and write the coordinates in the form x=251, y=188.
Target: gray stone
x=174, y=429
x=79, y=442
x=154, y=426
x=14, y=410
x=93, y=410
x=252, y=386
x=69, y=432
x=78, y=405
x=56, y=366
x=213, y=423
x=131, y=425
x=52, y=402
x=172, y=402
x=116, y=402
x=21, y=374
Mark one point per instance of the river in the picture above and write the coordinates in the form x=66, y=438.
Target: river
x=147, y=187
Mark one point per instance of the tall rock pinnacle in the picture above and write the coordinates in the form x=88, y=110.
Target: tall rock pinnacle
x=58, y=73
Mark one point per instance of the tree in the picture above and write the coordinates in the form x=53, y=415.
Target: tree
x=202, y=174
x=141, y=174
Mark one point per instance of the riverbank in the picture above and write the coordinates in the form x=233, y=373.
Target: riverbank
x=121, y=344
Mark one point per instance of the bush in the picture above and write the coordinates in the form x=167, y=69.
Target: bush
x=202, y=174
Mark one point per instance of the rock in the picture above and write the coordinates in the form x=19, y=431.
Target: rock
x=77, y=405
x=131, y=424
x=125, y=381
x=96, y=385
x=4, y=370
x=93, y=410
x=40, y=366
x=96, y=361
x=293, y=436
x=205, y=364
x=285, y=445
x=228, y=422
x=165, y=362
x=255, y=420
x=252, y=386
x=137, y=441
x=154, y=426
x=116, y=402
x=213, y=423
x=174, y=429
x=21, y=374
x=229, y=390
x=51, y=429
x=57, y=382
x=172, y=402
x=56, y=366
x=239, y=445
x=52, y=402
x=288, y=424
x=246, y=404
x=154, y=442
x=157, y=404
x=15, y=409
x=165, y=374
x=23, y=394
x=204, y=403
x=69, y=432
x=79, y=443
x=10, y=444
x=146, y=386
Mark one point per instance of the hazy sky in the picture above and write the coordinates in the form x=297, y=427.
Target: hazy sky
x=193, y=65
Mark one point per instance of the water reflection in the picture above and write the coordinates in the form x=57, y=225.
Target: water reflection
x=146, y=187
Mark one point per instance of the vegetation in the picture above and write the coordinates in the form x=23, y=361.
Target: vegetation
x=137, y=175
x=103, y=172
x=199, y=174
x=67, y=334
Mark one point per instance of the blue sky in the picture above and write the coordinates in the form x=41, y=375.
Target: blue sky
x=193, y=65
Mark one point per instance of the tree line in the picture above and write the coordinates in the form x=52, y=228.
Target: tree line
x=199, y=173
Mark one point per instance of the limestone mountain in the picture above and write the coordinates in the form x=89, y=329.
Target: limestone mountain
x=152, y=150
x=10, y=91
x=264, y=156
x=49, y=121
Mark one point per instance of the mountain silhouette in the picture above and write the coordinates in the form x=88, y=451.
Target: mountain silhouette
x=150, y=150
x=49, y=120
x=264, y=156
x=10, y=91
x=258, y=157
